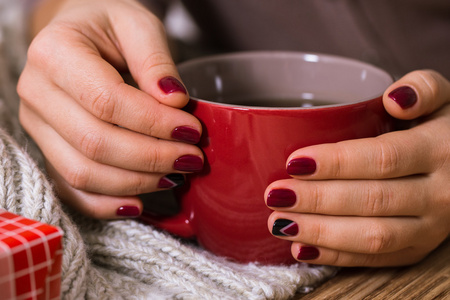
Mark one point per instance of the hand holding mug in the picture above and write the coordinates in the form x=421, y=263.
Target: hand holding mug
x=106, y=141
x=379, y=201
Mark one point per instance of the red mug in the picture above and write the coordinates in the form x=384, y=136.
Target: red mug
x=256, y=108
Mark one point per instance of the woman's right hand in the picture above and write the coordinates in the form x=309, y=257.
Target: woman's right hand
x=104, y=140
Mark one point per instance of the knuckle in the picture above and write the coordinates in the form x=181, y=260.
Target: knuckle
x=379, y=239
x=91, y=145
x=156, y=59
x=335, y=258
x=151, y=120
x=77, y=176
x=377, y=200
x=388, y=159
x=154, y=161
x=140, y=185
x=41, y=49
x=319, y=234
x=102, y=103
x=315, y=199
x=431, y=80
x=338, y=160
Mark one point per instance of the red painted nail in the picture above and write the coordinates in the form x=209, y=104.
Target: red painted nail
x=301, y=166
x=404, y=96
x=281, y=198
x=186, y=134
x=188, y=163
x=128, y=211
x=171, y=85
x=308, y=253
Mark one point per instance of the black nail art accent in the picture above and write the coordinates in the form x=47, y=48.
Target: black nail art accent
x=171, y=180
x=283, y=227
x=178, y=179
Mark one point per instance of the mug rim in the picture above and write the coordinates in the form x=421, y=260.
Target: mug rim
x=306, y=56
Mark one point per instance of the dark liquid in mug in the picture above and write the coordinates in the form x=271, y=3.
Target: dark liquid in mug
x=280, y=102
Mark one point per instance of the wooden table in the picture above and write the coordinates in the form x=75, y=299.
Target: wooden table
x=429, y=279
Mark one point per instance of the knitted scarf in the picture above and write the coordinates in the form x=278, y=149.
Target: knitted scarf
x=121, y=259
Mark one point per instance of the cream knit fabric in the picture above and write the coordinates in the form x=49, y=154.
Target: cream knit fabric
x=118, y=259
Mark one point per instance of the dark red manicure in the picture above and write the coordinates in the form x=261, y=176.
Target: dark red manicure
x=171, y=85
x=281, y=198
x=308, y=253
x=301, y=166
x=186, y=134
x=188, y=163
x=128, y=211
x=404, y=96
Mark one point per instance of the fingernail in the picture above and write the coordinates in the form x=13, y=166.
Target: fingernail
x=171, y=85
x=404, y=96
x=283, y=227
x=281, y=198
x=128, y=211
x=171, y=181
x=188, y=163
x=308, y=253
x=301, y=166
x=186, y=134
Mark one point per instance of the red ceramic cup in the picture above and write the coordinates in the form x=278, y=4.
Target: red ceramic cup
x=246, y=146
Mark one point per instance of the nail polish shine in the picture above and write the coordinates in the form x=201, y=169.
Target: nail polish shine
x=188, y=163
x=186, y=134
x=171, y=85
x=404, y=96
x=128, y=211
x=281, y=198
x=301, y=166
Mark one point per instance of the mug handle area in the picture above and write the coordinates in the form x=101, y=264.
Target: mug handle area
x=154, y=213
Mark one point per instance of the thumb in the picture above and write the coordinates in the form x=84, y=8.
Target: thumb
x=417, y=94
x=144, y=45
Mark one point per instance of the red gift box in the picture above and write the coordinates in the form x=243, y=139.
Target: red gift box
x=30, y=258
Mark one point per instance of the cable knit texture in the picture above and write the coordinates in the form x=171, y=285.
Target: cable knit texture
x=118, y=259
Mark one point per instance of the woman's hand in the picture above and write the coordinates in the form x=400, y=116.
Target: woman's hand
x=380, y=201
x=104, y=140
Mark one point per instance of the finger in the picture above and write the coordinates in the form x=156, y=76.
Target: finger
x=145, y=51
x=95, y=205
x=324, y=256
x=397, y=197
x=386, y=156
x=109, y=144
x=352, y=234
x=84, y=174
x=417, y=94
x=99, y=88
x=149, y=59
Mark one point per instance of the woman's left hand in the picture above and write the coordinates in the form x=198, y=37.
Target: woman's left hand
x=381, y=201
